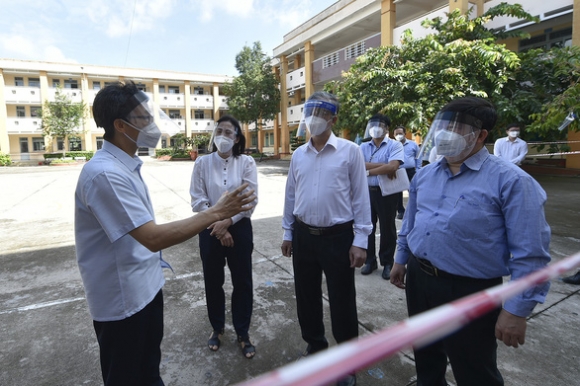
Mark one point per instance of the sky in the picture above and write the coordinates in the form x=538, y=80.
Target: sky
x=202, y=36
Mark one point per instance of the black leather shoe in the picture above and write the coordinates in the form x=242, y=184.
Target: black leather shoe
x=400, y=215
x=574, y=279
x=387, y=272
x=368, y=268
x=349, y=380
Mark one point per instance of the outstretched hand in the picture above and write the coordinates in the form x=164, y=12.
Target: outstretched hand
x=235, y=202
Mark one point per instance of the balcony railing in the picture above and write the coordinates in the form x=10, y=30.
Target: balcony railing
x=171, y=100
x=74, y=94
x=202, y=125
x=22, y=95
x=24, y=125
x=201, y=102
x=294, y=113
x=295, y=79
x=545, y=10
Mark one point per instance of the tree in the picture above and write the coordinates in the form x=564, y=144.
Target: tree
x=411, y=82
x=63, y=118
x=253, y=96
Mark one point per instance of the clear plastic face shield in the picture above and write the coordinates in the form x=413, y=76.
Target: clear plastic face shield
x=224, y=136
x=376, y=129
x=316, y=117
x=452, y=135
x=149, y=120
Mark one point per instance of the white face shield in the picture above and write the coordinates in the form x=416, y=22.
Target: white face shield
x=223, y=137
x=376, y=129
x=452, y=135
x=316, y=117
x=149, y=120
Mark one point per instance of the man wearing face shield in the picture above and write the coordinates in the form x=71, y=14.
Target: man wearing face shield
x=118, y=243
x=383, y=156
x=511, y=148
x=471, y=219
x=326, y=225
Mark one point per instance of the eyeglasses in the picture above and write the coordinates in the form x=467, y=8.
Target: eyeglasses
x=142, y=119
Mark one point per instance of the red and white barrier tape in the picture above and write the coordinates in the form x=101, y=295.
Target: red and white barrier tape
x=335, y=363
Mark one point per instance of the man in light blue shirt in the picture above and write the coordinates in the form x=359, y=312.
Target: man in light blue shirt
x=511, y=148
x=412, y=162
x=118, y=243
x=471, y=219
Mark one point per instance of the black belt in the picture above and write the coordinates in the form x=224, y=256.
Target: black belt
x=374, y=188
x=431, y=270
x=325, y=231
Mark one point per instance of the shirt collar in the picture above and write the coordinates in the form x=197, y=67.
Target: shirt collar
x=332, y=141
x=475, y=161
x=131, y=162
x=385, y=140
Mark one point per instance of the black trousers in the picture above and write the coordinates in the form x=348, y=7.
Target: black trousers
x=312, y=256
x=383, y=209
x=410, y=174
x=130, y=349
x=471, y=350
x=214, y=257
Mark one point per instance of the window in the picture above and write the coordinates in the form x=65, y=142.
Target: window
x=355, y=50
x=96, y=85
x=19, y=81
x=38, y=144
x=99, y=143
x=74, y=144
x=162, y=88
x=547, y=40
x=174, y=114
x=56, y=83
x=141, y=87
x=20, y=111
x=198, y=90
x=173, y=89
x=198, y=114
x=330, y=60
x=33, y=82
x=35, y=111
x=23, y=145
x=60, y=143
x=71, y=83
x=110, y=83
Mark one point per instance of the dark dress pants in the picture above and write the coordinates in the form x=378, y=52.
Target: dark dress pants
x=410, y=174
x=130, y=349
x=239, y=260
x=383, y=209
x=471, y=350
x=312, y=256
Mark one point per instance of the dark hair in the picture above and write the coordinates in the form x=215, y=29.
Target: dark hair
x=327, y=97
x=112, y=103
x=381, y=118
x=514, y=124
x=402, y=128
x=241, y=145
x=476, y=107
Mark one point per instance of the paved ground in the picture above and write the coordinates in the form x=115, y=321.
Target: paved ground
x=46, y=335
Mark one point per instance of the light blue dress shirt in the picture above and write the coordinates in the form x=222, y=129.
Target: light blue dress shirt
x=119, y=274
x=485, y=222
x=411, y=150
x=389, y=150
x=512, y=151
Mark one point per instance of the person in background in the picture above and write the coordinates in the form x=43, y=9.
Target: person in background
x=471, y=219
x=118, y=242
x=326, y=225
x=229, y=240
x=511, y=148
x=412, y=162
x=382, y=155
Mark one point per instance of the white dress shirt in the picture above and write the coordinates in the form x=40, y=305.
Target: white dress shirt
x=328, y=188
x=213, y=176
x=511, y=151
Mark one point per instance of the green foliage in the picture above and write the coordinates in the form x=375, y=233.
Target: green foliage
x=62, y=117
x=5, y=159
x=162, y=152
x=201, y=140
x=73, y=154
x=412, y=82
x=253, y=96
x=295, y=142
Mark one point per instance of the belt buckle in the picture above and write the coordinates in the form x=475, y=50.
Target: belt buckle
x=435, y=271
x=315, y=231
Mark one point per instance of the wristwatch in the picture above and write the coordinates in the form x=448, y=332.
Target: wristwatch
x=368, y=173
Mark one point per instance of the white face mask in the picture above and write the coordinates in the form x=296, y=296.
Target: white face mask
x=316, y=125
x=148, y=136
x=376, y=132
x=399, y=137
x=514, y=134
x=223, y=144
x=454, y=146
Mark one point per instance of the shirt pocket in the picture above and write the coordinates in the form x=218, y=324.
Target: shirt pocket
x=472, y=220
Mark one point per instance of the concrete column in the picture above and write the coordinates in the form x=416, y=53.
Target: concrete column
x=388, y=22
x=308, y=59
x=4, y=140
x=573, y=161
x=187, y=100
x=284, y=130
x=87, y=133
x=276, y=125
x=49, y=141
x=462, y=5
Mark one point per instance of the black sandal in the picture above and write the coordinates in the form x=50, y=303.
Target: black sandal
x=248, y=348
x=214, y=340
